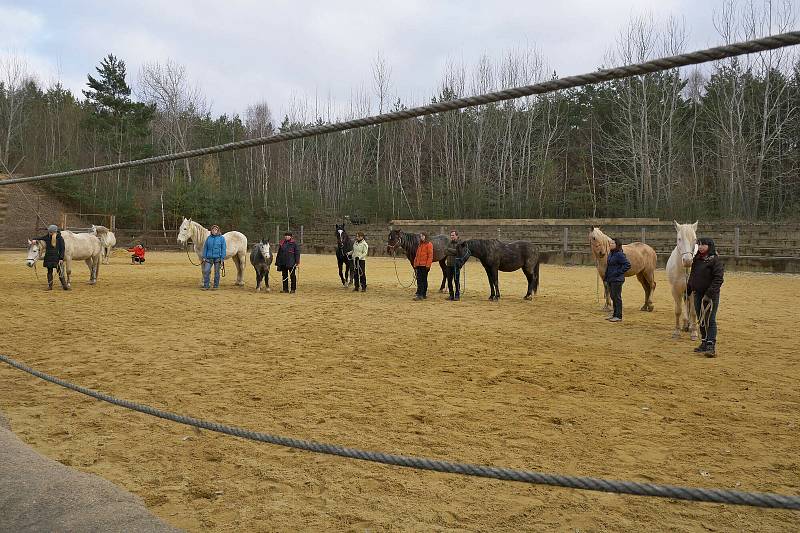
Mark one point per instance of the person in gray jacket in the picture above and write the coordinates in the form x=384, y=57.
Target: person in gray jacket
x=359, y=255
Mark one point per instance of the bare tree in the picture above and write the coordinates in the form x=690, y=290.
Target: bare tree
x=179, y=102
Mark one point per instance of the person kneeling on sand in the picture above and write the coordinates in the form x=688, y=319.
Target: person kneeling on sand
x=137, y=257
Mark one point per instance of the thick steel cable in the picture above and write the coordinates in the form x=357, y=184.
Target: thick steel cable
x=754, y=499
x=656, y=65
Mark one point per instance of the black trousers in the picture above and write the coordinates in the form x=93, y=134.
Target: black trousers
x=360, y=273
x=615, y=292
x=422, y=281
x=288, y=275
x=708, y=332
x=61, y=276
x=454, y=275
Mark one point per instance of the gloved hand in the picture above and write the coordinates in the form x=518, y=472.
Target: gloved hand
x=707, y=300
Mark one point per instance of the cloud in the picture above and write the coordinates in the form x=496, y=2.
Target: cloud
x=245, y=51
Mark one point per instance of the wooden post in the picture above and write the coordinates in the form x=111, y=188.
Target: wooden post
x=301, y=237
x=642, y=236
x=277, y=234
x=736, y=242
x=566, y=239
x=441, y=231
x=114, y=223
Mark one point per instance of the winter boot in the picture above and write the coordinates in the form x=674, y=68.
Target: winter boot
x=702, y=347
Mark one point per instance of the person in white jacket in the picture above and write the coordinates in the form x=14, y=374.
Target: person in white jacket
x=360, y=251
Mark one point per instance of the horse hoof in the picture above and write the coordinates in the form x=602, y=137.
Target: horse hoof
x=258, y=289
x=529, y=297
x=676, y=335
x=267, y=290
x=694, y=336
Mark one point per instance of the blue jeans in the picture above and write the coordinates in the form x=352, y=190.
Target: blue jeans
x=708, y=334
x=207, y=272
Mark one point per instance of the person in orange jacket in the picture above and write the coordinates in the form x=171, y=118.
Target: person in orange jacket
x=138, y=254
x=422, y=265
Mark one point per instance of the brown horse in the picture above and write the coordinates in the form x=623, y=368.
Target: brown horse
x=641, y=256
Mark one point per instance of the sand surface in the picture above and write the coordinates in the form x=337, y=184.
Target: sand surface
x=545, y=385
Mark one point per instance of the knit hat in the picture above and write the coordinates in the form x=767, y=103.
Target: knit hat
x=52, y=228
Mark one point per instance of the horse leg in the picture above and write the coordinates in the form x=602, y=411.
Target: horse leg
x=350, y=273
x=646, y=286
x=241, y=261
x=90, y=263
x=496, y=278
x=529, y=276
x=97, y=262
x=259, y=275
x=266, y=278
x=691, y=315
x=678, y=313
x=491, y=282
x=443, y=265
x=607, y=296
x=68, y=268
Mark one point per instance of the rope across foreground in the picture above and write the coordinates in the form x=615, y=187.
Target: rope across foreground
x=753, y=499
x=657, y=65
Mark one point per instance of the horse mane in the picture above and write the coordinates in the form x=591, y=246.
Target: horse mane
x=100, y=230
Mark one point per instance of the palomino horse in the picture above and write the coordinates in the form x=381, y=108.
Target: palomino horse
x=643, y=264
x=77, y=246
x=107, y=239
x=678, y=267
x=235, y=243
x=409, y=242
x=344, y=247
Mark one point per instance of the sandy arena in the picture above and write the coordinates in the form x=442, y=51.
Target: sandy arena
x=545, y=385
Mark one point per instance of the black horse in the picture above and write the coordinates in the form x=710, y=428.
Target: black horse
x=409, y=242
x=496, y=255
x=344, y=247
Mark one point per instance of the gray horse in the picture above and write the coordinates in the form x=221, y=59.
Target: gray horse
x=261, y=259
x=496, y=255
x=409, y=242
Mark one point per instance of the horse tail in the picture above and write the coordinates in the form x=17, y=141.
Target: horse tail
x=542, y=259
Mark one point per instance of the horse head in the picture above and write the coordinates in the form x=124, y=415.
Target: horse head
x=185, y=231
x=599, y=242
x=340, y=234
x=35, y=252
x=394, y=241
x=264, y=248
x=686, y=242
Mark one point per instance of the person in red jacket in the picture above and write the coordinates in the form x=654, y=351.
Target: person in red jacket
x=422, y=264
x=138, y=254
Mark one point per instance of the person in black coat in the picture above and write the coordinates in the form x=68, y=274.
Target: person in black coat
x=617, y=265
x=53, y=255
x=705, y=280
x=288, y=261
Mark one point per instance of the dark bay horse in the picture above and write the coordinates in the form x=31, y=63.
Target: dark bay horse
x=496, y=255
x=409, y=242
x=344, y=247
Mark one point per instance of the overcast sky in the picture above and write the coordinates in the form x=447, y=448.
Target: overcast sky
x=242, y=52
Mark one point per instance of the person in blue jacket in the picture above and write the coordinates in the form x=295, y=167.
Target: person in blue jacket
x=213, y=255
x=617, y=265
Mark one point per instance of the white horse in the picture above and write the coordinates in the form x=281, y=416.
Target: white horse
x=77, y=246
x=107, y=239
x=678, y=268
x=235, y=244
